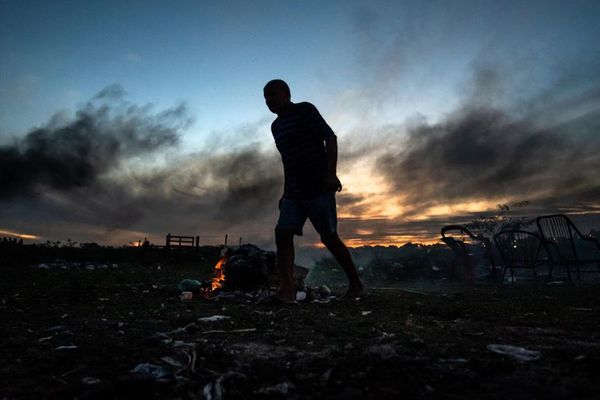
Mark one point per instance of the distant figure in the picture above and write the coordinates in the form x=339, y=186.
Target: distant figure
x=308, y=150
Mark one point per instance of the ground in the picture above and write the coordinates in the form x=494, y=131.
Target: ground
x=78, y=333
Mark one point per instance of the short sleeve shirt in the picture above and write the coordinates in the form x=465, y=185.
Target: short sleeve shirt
x=300, y=136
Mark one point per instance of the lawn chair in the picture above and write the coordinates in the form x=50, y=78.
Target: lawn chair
x=566, y=246
x=520, y=249
x=457, y=237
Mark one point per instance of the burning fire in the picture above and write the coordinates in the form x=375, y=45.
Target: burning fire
x=219, y=275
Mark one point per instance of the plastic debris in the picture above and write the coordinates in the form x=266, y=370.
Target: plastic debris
x=89, y=380
x=365, y=313
x=185, y=296
x=66, y=348
x=43, y=266
x=188, y=285
x=300, y=296
x=156, y=371
x=384, y=351
x=213, y=318
x=281, y=388
x=324, y=291
x=514, y=352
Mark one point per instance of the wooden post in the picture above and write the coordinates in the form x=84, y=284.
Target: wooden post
x=240, y=245
x=225, y=240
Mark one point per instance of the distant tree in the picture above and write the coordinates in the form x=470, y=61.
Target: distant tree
x=488, y=225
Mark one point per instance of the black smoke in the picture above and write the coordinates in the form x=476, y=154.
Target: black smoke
x=105, y=131
x=479, y=153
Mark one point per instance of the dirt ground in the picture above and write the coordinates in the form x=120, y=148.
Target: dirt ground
x=80, y=332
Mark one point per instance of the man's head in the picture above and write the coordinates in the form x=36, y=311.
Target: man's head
x=277, y=96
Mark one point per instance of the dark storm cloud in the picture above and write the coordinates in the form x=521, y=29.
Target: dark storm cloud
x=73, y=154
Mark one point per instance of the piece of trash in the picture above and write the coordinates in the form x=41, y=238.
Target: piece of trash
x=66, y=348
x=581, y=309
x=281, y=388
x=189, y=285
x=172, y=362
x=514, y=352
x=89, y=380
x=43, y=266
x=245, y=330
x=553, y=283
x=185, y=296
x=55, y=328
x=469, y=333
x=300, y=296
x=324, y=379
x=90, y=267
x=324, y=291
x=156, y=371
x=332, y=314
x=365, y=313
x=384, y=351
x=213, y=318
x=64, y=316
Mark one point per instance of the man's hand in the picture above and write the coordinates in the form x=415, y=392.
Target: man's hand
x=332, y=183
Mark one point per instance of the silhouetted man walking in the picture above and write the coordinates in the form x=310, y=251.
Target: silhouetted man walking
x=308, y=150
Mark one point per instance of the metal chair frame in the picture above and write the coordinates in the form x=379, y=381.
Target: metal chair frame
x=460, y=249
x=520, y=249
x=557, y=227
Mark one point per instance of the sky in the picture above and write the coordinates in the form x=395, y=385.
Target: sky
x=125, y=120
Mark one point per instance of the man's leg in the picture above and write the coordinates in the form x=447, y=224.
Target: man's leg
x=341, y=253
x=284, y=239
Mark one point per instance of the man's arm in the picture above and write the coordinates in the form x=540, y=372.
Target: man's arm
x=332, y=182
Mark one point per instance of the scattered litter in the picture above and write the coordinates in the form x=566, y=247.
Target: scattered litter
x=66, y=348
x=172, y=362
x=88, y=380
x=514, y=352
x=55, y=328
x=214, y=318
x=324, y=291
x=281, y=388
x=384, y=351
x=365, y=313
x=188, y=285
x=185, y=296
x=300, y=296
x=324, y=379
x=475, y=334
x=214, y=390
x=231, y=331
x=156, y=371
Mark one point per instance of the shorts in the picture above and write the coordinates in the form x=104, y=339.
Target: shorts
x=320, y=210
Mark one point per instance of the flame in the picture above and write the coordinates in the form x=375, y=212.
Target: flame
x=219, y=274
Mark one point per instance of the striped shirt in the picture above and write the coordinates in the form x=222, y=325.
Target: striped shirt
x=300, y=138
